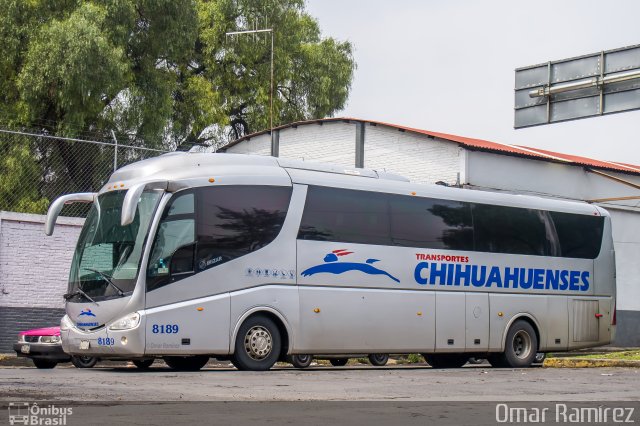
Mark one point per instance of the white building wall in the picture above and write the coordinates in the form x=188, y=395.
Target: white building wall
x=34, y=269
x=332, y=142
x=416, y=157
x=260, y=145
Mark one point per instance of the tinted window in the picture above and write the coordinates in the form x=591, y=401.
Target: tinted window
x=430, y=223
x=172, y=253
x=333, y=214
x=500, y=229
x=236, y=220
x=580, y=235
x=364, y=217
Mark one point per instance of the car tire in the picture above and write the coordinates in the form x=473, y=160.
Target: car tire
x=44, y=363
x=520, y=347
x=446, y=360
x=474, y=360
x=80, y=361
x=143, y=364
x=186, y=363
x=339, y=362
x=258, y=344
x=301, y=360
x=378, y=360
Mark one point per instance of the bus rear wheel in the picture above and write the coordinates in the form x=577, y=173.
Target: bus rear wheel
x=186, y=363
x=378, y=360
x=520, y=347
x=258, y=344
x=446, y=360
x=339, y=362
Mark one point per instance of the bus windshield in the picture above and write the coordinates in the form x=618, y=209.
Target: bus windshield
x=107, y=258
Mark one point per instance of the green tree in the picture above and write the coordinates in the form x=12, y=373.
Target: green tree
x=163, y=71
x=160, y=73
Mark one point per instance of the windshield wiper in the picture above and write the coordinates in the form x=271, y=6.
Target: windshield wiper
x=107, y=278
x=79, y=291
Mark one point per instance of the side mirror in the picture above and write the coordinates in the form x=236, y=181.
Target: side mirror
x=58, y=204
x=182, y=260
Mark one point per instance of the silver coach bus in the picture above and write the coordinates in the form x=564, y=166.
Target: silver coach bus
x=254, y=258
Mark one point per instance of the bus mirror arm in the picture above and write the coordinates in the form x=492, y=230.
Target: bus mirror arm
x=130, y=203
x=58, y=204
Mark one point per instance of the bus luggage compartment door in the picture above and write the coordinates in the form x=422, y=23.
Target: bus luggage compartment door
x=450, y=321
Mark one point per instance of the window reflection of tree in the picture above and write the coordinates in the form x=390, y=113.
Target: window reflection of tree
x=315, y=234
x=241, y=231
x=501, y=229
x=459, y=235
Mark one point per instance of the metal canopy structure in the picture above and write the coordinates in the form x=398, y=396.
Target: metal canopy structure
x=586, y=86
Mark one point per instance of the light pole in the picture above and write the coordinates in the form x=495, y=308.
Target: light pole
x=268, y=30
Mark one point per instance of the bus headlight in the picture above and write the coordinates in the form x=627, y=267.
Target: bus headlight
x=65, y=323
x=126, y=323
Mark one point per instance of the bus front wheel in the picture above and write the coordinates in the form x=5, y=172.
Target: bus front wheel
x=186, y=363
x=258, y=344
x=520, y=347
x=301, y=360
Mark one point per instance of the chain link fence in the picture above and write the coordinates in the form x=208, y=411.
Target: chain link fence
x=36, y=168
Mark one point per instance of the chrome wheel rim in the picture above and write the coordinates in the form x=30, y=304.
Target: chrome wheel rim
x=522, y=344
x=258, y=343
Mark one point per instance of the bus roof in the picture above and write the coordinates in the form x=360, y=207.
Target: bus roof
x=186, y=166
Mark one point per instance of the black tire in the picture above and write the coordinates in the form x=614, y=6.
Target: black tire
x=446, y=360
x=339, y=362
x=301, y=360
x=540, y=357
x=186, y=363
x=474, y=360
x=379, y=360
x=44, y=363
x=258, y=344
x=81, y=361
x=143, y=364
x=519, y=349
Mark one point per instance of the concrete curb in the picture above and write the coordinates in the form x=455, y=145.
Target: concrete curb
x=589, y=363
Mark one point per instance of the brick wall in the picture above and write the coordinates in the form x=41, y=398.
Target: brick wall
x=34, y=270
x=417, y=157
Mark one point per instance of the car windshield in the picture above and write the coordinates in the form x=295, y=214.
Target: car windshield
x=107, y=258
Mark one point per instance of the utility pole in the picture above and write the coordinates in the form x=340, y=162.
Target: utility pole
x=268, y=30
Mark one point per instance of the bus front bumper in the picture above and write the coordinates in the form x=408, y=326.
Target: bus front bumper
x=104, y=343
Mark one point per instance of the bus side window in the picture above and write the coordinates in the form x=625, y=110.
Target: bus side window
x=175, y=237
x=234, y=220
x=501, y=229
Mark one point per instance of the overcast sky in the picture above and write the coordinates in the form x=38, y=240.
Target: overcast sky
x=448, y=66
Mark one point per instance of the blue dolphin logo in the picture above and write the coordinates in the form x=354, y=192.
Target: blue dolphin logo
x=87, y=313
x=332, y=266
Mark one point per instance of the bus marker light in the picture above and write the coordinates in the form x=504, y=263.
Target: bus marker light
x=598, y=315
x=316, y=310
x=413, y=193
x=212, y=180
x=123, y=340
x=199, y=309
x=419, y=314
x=500, y=314
x=122, y=185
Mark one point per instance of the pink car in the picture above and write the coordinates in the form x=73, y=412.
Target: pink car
x=44, y=347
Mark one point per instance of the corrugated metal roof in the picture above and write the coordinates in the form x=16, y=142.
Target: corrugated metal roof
x=477, y=144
